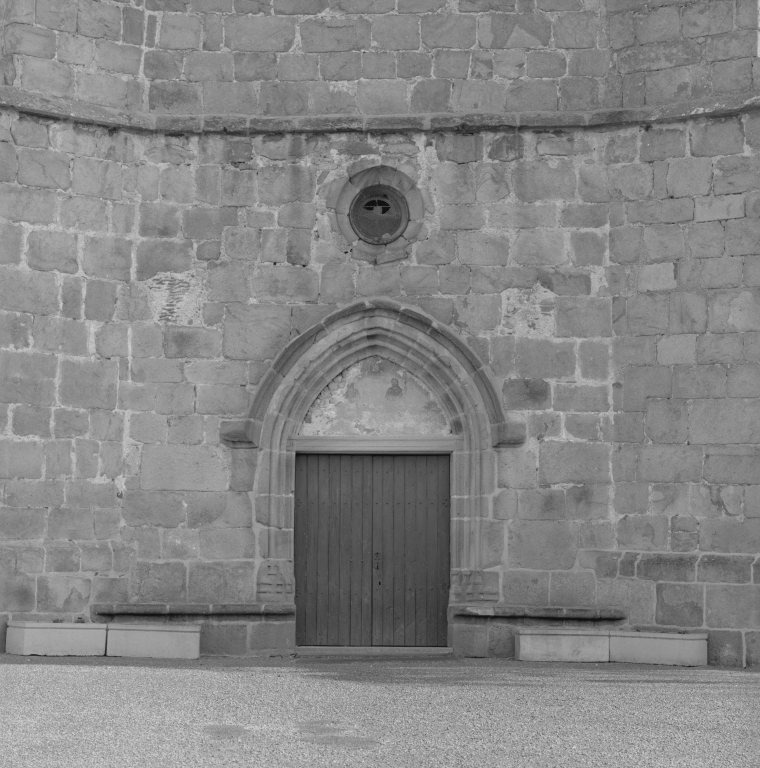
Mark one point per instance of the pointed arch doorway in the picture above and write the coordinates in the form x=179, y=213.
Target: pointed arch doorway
x=447, y=368
x=372, y=513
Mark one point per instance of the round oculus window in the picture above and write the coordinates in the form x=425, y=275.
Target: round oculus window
x=379, y=214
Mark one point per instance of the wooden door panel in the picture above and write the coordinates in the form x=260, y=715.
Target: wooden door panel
x=371, y=549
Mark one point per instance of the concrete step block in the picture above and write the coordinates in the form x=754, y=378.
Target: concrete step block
x=155, y=641
x=685, y=650
x=537, y=644
x=47, y=638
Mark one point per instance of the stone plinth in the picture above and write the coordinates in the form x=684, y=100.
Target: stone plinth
x=536, y=644
x=155, y=641
x=685, y=650
x=43, y=638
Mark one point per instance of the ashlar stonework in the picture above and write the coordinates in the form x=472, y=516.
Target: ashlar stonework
x=577, y=295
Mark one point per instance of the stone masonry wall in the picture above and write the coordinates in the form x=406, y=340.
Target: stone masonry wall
x=610, y=278
x=378, y=57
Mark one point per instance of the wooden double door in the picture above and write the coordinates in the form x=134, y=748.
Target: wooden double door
x=372, y=549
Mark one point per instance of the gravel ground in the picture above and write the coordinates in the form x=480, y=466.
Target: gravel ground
x=403, y=712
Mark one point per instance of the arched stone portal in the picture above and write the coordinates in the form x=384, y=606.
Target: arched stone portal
x=430, y=352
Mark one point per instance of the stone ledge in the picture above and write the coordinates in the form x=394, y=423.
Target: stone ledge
x=533, y=612
x=192, y=609
x=83, y=112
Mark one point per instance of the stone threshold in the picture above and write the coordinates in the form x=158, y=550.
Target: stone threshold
x=250, y=125
x=371, y=650
x=478, y=610
x=192, y=609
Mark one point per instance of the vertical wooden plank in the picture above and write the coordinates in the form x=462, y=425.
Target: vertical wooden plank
x=299, y=547
x=312, y=547
x=399, y=529
x=431, y=560
x=444, y=538
x=356, y=512
x=333, y=581
x=378, y=515
x=323, y=506
x=411, y=548
x=389, y=486
x=366, y=551
x=421, y=547
x=345, y=555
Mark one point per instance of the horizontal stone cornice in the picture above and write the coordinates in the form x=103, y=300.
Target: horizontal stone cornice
x=536, y=612
x=192, y=609
x=245, y=125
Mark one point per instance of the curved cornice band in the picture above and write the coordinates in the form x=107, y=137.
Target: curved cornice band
x=242, y=125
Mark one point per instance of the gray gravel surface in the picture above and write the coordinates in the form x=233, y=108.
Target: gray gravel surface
x=353, y=713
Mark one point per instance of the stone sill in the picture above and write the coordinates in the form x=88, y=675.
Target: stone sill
x=533, y=612
x=247, y=125
x=192, y=609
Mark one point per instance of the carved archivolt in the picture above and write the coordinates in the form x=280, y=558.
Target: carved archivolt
x=414, y=342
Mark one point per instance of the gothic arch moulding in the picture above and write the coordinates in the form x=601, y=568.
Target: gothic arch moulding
x=407, y=338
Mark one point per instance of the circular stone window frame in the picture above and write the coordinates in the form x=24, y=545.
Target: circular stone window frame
x=380, y=175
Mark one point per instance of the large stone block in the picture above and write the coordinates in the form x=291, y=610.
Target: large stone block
x=222, y=582
x=22, y=523
x=155, y=508
x=521, y=587
x=732, y=606
x=182, y=468
x=574, y=590
x=159, y=582
x=573, y=463
x=227, y=543
x=155, y=256
x=724, y=421
x=99, y=178
x=88, y=384
x=58, y=592
x=643, y=532
x=226, y=639
x=680, y=605
x=276, y=636
x=286, y=283
x=36, y=206
x=725, y=534
x=181, y=341
x=636, y=597
x=27, y=378
x=670, y=463
x=725, y=568
x=667, y=567
x=337, y=34
x=544, y=545
x=108, y=257
x=539, y=247
x=482, y=249
x=536, y=181
x=52, y=251
x=545, y=359
x=42, y=168
x=583, y=316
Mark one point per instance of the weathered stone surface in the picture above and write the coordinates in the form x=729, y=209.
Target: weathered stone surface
x=158, y=582
x=88, y=384
x=573, y=463
x=184, y=468
x=548, y=545
x=680, y=605
x=58, y=592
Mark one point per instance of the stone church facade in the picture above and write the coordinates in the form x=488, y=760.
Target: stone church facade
x=574, y=293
